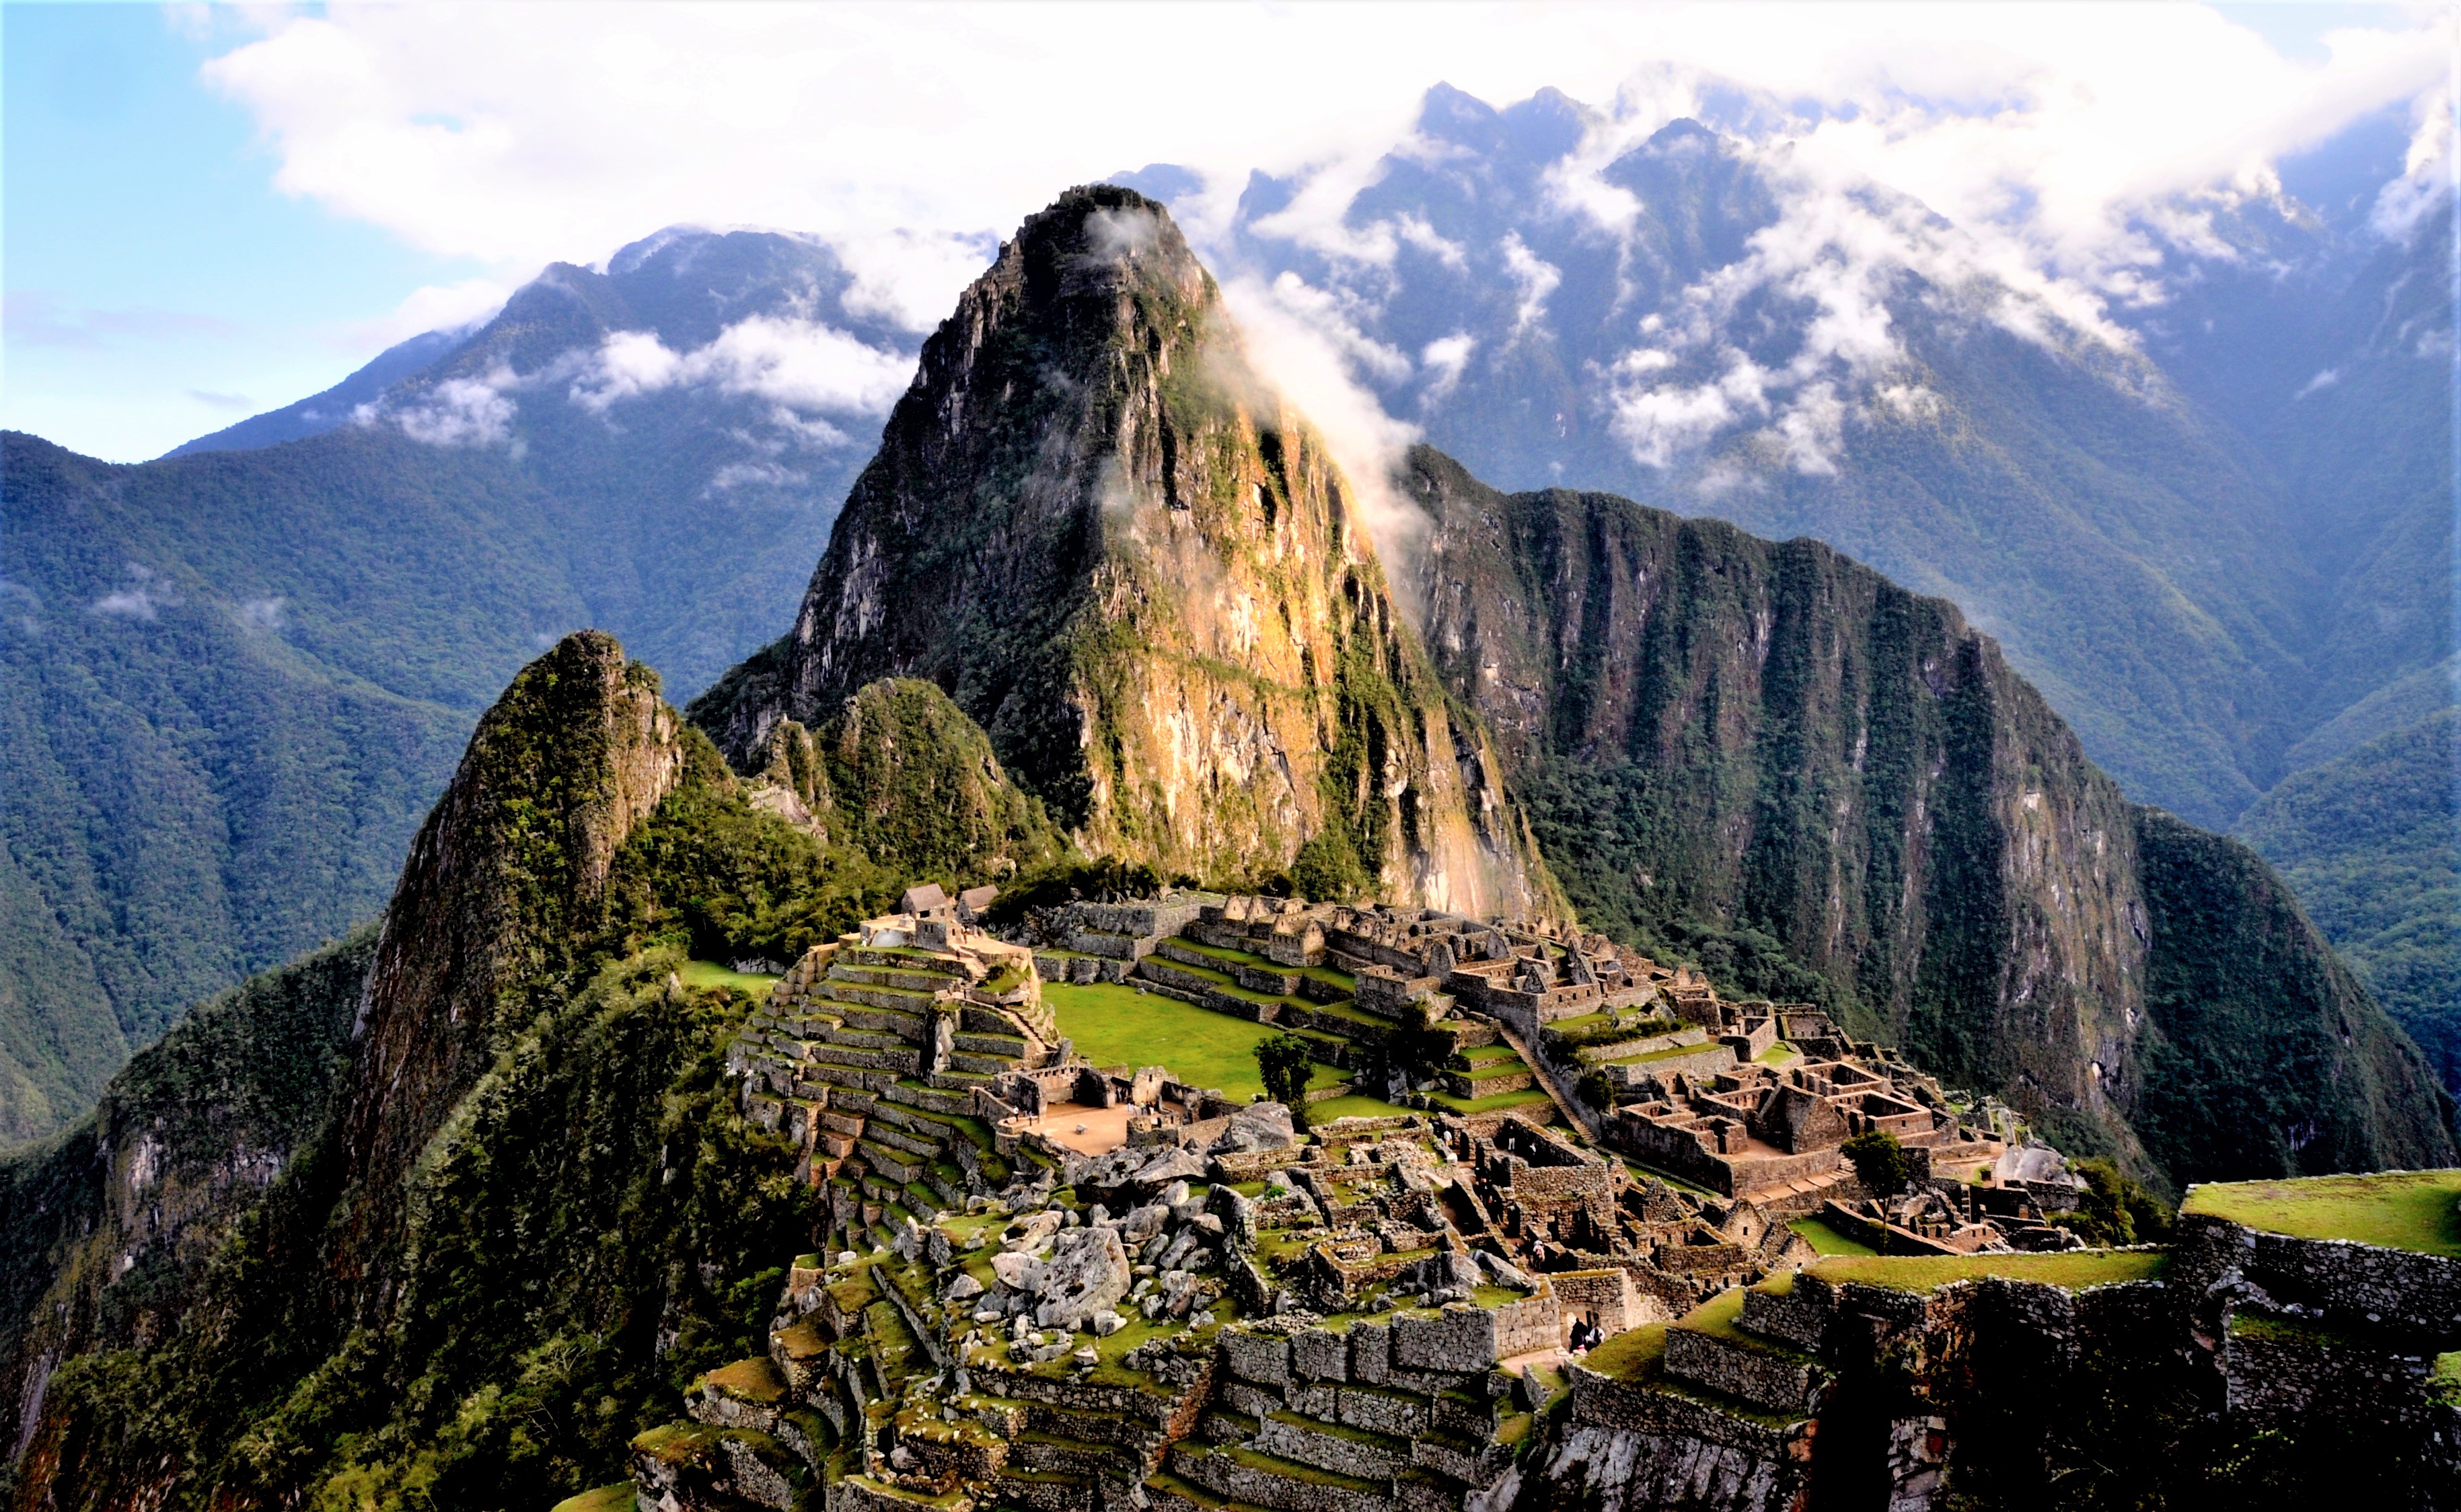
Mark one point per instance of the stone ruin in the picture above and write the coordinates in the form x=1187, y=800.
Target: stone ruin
x=1209, y=1309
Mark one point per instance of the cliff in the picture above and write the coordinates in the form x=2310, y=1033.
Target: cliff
x=1138, y=569
x=507, y=880
x=1769, y=756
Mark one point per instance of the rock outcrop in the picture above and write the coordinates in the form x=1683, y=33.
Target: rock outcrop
x=507, y=878
x=1139, y=570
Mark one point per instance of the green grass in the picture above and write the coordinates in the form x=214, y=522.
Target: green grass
x=2417, y=1210
x=1720, y=1318
x=1495, y=1104
x=708, y=974
x=1778, y=1055
x=618, y=1498
x=2075, y=1269
x=1114, y=1025
x=1829, y=1240
x=1630, y=1355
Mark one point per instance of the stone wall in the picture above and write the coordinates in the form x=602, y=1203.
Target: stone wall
x=2389, y=1289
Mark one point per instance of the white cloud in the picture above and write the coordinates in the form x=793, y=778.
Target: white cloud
x=751, y=474
x=435, y=306
x=459, y=411
x=802, y=365
x=260, y=615
x=1296, y=336
x=1535, y=277
x=2052, y=138
x=2430, y=173
x=1447, y=359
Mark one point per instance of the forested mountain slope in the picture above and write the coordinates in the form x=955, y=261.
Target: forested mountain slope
x=454, y=1208
x=232, y=679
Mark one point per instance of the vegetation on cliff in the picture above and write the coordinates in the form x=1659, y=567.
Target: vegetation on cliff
x=2371, y=842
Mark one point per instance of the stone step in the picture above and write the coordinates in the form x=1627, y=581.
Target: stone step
x=896, y=1165
x=849, y=998
x=936, y=1098
x=959, y=1082
x=902, y=1140
x=1043, y=1491
x=979, y=1065
x=1267, y=1480
x=861, y=1078
x=976, y=1043
x=863, y=1039
x=1328, y=1446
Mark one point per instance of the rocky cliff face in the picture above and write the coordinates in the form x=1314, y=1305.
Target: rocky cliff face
x=1777, y=742
x=507, y=880
x=106, y=1232
x=1140, y=572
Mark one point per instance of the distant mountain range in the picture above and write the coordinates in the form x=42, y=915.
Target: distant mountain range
x=2218, y=541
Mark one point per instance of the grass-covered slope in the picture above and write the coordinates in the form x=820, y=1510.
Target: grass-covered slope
x=2371, y=842
x=2417, y=1210
x=229, y=687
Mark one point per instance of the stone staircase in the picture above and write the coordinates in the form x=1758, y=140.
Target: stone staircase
x=869, y=1059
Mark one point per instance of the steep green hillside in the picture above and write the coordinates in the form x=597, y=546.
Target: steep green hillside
x=459, y=1257
x=229, y=686
x=2371, y=842
x=232, y=679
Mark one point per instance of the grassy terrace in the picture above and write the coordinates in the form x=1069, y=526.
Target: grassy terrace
x=1326, y=975
x=1501, y=1102
x=1114, y=1025
x=1720, y=1318
x=2074, y=1270
x=708, y=974
x=1829, y=1240
x=2415, y=1210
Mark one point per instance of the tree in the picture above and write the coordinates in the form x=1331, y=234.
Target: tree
x=1285, y=1061
x=1596, y=1090
x=2115, y=1211
x=1879, y=1162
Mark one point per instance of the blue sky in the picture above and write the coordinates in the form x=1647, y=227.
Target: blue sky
x=158, y=286
x=210, y=213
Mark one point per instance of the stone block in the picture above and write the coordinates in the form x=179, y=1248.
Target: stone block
x=1371, y=1352
x=1263, y=1359
x=1397, y=1414
x=1461, y=1338
x=1320, y=1355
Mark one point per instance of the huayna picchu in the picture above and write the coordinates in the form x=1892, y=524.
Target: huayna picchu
x=1112, y=1011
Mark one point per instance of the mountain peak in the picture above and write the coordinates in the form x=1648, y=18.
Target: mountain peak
x=1132, y=563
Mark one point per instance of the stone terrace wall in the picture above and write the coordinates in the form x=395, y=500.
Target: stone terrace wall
x=2389, y=1289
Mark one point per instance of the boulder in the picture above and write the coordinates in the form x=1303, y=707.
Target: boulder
x=1020, y=1271
x=1255, y=1126
x=965, y=1287
x=1087, y=1273
x=1107, y=1323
